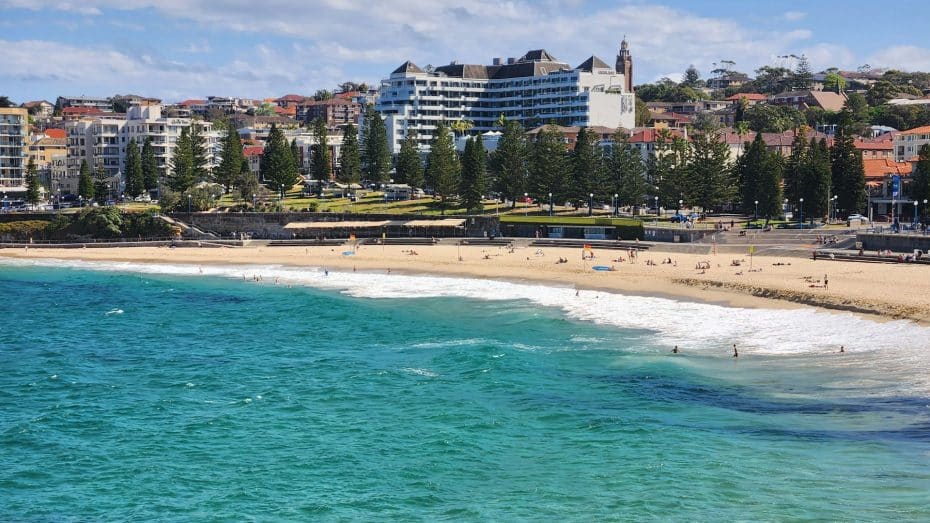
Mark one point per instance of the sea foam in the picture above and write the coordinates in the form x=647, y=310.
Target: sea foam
x=701, y=327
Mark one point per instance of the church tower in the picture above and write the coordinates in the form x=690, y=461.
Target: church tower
x=625, y=64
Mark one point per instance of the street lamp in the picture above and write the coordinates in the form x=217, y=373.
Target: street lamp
x=756, y=216
x=590, y=204
x=915, y=212
x=616, y=204
x=678, y=212
x=835, y=196
x=656, y=198
x=550, y=204
x=526, y=209
x=801, y=214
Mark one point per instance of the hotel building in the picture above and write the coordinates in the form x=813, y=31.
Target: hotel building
x=535, y=89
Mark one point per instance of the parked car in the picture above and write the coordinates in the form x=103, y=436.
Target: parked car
x=678, y=218
x=856, y=218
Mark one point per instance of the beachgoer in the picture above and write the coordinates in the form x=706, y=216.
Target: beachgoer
x=842, y=349
x=735, y=352
x=824, y=281
x=675, y=350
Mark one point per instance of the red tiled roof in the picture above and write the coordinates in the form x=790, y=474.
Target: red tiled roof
x=918, y=130
x=874, y=145
x=81, y=110
x=650, y=134
x=749, y=96
x=56, y=133
x=291, y=98
x=188, y=103
x=879, y=168
x=286, y=111
x=253, y=151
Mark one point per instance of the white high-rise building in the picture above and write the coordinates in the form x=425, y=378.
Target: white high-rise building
x=14, y=149
x=534, y=89
x=102, y=140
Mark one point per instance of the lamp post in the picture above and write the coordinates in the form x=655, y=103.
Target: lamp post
x=801, y=214
x=834, y=206
x=616, y=204
x=678, y=212
x=656, y=198
x=59, y=200
x=590, y=204
x=925, y=210
x=915, y=212
x=189, y=216
x=550, y=204
x=756, y=215
x=526, y=209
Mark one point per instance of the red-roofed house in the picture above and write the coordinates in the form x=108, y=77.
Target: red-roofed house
x=254, y=155
x=290, y=111
x=874, y=148
x=751, y=98
x=56, y=133
x=289, y=100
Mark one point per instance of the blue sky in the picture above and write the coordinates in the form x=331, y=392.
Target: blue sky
x=177, y=49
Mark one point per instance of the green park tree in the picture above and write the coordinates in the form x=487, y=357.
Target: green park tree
x=585, y=167
x=443, y=170
x=375, y=150
x=509, y=161
x=474, y=174
x=549, y=167
x=625, y=174
x=350, y=161
x=135, y=180
x=278, y=168
x=847, y=168
x=409, y=165
x=231, y=160
x=32, y=182
x=149, y=165
x=85, y=182
x=920, y=183
x=321, y=160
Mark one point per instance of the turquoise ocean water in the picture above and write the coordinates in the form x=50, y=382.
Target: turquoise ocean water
x=160, y=393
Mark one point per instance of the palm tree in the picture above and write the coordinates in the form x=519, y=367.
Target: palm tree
x=742, y=128
x=460, y=127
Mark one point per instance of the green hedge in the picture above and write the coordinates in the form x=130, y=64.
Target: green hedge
x=24, y=230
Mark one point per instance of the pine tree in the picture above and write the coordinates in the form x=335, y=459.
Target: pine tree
x=815, y=179
x=149, y=165
x=585, y=167
x=793, y=174
x=321, y=160
x=708, y=180
x=32, y=182
x=509, y=161
x=182, y=177
x=769, y=184
x=135, y=182
x=920, y=181
x=278, y=168
x=625, y=172
x=376, y=153
x=750, y=171
x=848, y=170
x=803, y=77
x=409, y=165
x=295, y=154
x=200, y=171
x=474, y=167
x=549, y=167
x=85, y=182
x=443, y=169
x=231, y=160
x=665, y=167
x=101, y=184
x=350, y=162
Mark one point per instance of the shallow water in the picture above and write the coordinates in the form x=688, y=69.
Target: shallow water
x=361, y=396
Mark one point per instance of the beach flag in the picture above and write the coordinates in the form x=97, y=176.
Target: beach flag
x=752, y=250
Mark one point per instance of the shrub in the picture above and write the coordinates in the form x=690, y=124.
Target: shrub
x=23, y=230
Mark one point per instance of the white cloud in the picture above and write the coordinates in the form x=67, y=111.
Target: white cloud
x=794, y=16
x=905, y=57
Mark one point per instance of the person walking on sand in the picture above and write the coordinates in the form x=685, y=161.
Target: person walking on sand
x=735, y=352
x=825, y=281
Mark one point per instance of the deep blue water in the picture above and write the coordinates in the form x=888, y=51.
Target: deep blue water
x=211, y=398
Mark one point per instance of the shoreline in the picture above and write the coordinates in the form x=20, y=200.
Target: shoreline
x=879, y=292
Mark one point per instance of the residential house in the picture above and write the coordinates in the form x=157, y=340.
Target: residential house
x=801, y=100
x=907, y=144
x=40, y=109
x=335, y=113
x=102, y=104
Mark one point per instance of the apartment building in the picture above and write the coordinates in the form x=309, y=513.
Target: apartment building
x=535, y=89
x=102, y=104
x=102, y=140
x=335, y=112
x=14, y=129
x=907, y=144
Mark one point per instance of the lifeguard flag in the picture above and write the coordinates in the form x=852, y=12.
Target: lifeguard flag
x=752, y=249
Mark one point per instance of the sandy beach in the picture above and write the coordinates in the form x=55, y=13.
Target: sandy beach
x=891, y=291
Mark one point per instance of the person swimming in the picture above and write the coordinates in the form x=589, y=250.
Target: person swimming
x=842, y=349
x=675, y=350
x=735, y=352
